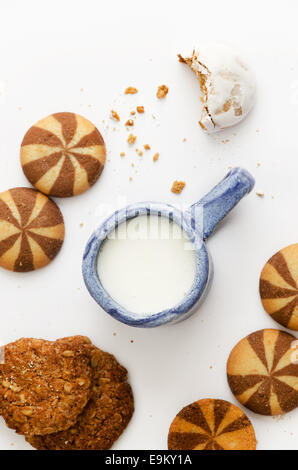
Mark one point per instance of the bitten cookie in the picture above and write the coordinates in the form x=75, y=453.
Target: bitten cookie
x=44, y=385
x=106, y=415
x=31, y=230
x=263, y=372
x=211, y=425
x=279, y=287
x=63, y=154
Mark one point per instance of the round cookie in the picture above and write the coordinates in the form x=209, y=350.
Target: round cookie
x=63, y=154
x=31, y=230
x=211, y=425
x=106, y=415
x=279, y=287
x=44, y=385
x=262, y=372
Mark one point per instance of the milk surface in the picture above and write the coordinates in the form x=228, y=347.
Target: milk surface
x=147, y=264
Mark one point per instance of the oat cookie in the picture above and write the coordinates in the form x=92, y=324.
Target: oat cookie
x=31, y=230
x=263, y=372
x=106, y=415
x=63, y=154
x=44, y=385
x=279, y=287
x=211, y=425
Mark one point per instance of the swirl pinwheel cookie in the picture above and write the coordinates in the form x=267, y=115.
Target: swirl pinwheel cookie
x=262, y=372
x=63, y=155
x=279, y=287
x=211, y=425
x=31, y=230
x=106, y=415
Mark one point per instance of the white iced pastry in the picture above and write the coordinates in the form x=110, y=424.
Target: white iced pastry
x=227, y=85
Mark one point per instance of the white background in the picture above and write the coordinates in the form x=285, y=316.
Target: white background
x=80, y=56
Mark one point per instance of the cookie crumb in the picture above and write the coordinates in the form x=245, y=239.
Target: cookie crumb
x=115, y=115
x=129, y=122
x=147, y=147
x=132, y=341
x=140, y=109
x=140, y=153
x=122, y=154
x=132, y=113
x=162, y=91
x=131, y=139
x=156, y=156
x=177, y=187
x=260, y=194
x=131, y=90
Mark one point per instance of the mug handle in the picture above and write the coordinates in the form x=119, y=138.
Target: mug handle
x=213, y=207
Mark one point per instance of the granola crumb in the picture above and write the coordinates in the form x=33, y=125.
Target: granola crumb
x=156, y=156
x=122, y=154
x=140, y=153
x=132, y=113
x=115, y=115
x=162, y=91
x=260, y=194
x=131, y=139
x=129, y=122
x=147, y=147
x=140, y=109
x=131, y=90
x=177, y=187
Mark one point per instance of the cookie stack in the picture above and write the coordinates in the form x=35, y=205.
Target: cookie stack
x=62, y=155
x=65, y=394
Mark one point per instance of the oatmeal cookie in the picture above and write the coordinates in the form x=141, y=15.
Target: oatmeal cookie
x=44, y=385
x=106, y=415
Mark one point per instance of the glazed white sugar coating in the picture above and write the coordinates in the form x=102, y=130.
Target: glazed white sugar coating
x=227, y=84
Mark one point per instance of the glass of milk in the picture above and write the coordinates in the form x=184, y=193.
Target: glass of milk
x=148, y=264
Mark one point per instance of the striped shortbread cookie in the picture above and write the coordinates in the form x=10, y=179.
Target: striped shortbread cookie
x=63, y=155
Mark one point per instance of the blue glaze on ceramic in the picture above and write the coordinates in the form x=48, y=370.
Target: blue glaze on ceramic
x=198, y=222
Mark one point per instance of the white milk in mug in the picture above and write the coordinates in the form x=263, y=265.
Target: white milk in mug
x=147, y=264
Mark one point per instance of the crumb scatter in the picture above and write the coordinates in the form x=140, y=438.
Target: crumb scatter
x=162, y=91
x=131, y=90
x=177, y=187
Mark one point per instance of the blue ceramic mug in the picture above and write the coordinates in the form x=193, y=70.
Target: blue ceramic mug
x=198, y=222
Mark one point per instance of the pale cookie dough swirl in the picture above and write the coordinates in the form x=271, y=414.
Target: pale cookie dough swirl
x=211, y=425
x=63, y=155
x=263, y=372
x=31, y=230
